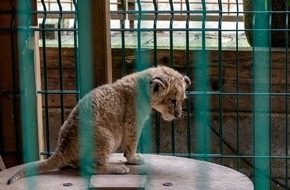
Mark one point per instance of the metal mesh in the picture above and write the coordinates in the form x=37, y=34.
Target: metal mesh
x=237, y=106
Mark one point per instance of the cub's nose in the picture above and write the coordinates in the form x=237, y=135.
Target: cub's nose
x=177, y=114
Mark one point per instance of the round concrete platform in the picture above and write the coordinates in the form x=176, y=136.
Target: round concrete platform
x=163, y=172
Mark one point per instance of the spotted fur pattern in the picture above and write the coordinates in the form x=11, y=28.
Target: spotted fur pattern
x=114, y=115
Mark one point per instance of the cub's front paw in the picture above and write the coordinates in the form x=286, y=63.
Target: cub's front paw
x=135, y=159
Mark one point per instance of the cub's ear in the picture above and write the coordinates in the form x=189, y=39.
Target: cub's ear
x=157, y=84
x=187, y=81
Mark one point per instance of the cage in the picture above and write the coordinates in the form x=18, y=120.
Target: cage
x=237, y=105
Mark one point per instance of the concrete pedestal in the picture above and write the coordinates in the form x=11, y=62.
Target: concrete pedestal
x=158, y=172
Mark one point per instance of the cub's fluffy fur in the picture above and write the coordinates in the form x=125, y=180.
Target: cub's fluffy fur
x=114, y=115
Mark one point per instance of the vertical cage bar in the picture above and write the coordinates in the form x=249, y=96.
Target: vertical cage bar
x=86, y=79
x=220, y=65
x=27, y=86
x=261, y=107
x=188, y=105
x=286, y=97
x=45, y=79
x=237, y=86
x=123, y=26
x=139, y=66
x=60, y=67
x=86, y=75
x=155, y=63
x=27, y=82
x=142, y=63
x=172, y=65
x=201, y=101
x=16, y=122
x=76, y=60
x=269, y=3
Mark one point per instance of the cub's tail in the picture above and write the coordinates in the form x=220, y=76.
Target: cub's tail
x=54, y=162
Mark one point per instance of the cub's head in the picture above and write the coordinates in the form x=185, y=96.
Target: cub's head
x=168, y=92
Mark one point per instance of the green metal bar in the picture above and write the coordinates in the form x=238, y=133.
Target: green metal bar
x=220, y=82
x=86, y=81
x=141, y=64
x=77, y=71
x=139, y=67
x=27, y=88
x=57, y=91
x=145, y=142
x=286, y=97
x=188, y=105
x=270, y=90
x=172, y=65
x=53, y=29
x=190, y=29
x=157, y=136
x=209, y=93
x=60, y=62
x=208, y=156
x=45, y=79
x=237, y=88
x=261, y=107
x=189, y=93
x=15, y=87
x=124, y=66
x=154, y=32
x=193, y=11
x=155, y=63
x=86, y=75
x=202, y=101
x=201, y=106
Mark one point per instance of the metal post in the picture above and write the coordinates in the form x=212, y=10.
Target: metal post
x=27, y=84
x=261, y=89
x=94, y=61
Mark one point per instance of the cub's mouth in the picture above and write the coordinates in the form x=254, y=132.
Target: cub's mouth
x=168, y=117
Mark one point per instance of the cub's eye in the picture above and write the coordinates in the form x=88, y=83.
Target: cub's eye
x=173, y=101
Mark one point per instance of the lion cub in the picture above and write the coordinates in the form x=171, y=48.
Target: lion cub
x=114, y=114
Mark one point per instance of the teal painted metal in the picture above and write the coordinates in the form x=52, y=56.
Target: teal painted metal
x=287, y=101
x=60, y=69
x=155, y=63
x=45, y=81
x=237, y=90
x=142, y=62
x=220, y=81
x=27, y=84
x=85, y=47
x=261, y=104
x=27, y=87
x=188, y=105
x=86, y=82
x=172, y=65
x=202, y=101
